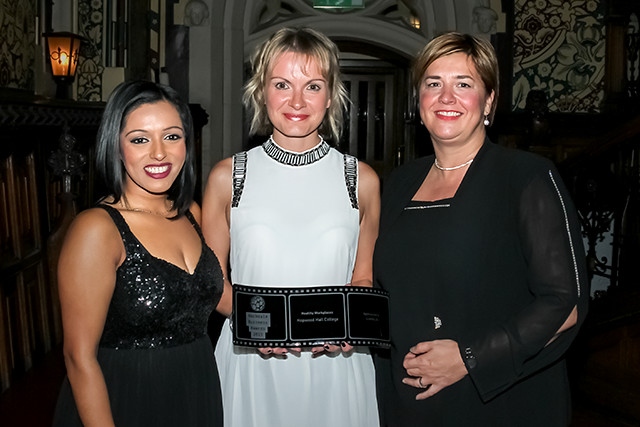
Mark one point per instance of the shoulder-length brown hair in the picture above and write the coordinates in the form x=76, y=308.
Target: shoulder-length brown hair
x=480, y=52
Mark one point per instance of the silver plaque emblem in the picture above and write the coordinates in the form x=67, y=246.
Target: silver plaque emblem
x=257, y=303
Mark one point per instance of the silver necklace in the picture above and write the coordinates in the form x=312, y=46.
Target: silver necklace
x=452, y=168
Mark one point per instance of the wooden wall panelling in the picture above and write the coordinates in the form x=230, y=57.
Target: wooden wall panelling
x=25, y=328
x=5, y=362
x=29, y=211
x=11, y=243
x=38, y=308
x=10, y=292
x=24, y=331
x=32, y=274
x=54, y=243
x=6, y=251
x=14, y=352
x=29, y=194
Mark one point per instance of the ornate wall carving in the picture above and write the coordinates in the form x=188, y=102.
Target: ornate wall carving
x=559, y=48
x=91, y=26
x=17, y=44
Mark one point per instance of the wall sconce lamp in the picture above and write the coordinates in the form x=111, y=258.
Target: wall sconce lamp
x=63, y=48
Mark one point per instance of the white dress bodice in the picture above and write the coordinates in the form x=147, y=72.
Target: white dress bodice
x=294, y=226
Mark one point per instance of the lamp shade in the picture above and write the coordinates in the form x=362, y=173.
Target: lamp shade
x=63, y=53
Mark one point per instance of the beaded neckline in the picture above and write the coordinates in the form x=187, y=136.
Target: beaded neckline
x=290, y=158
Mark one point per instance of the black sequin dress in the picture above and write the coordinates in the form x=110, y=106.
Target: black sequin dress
x=155, y=354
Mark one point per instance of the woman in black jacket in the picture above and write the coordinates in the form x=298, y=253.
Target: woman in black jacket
x=481, y=252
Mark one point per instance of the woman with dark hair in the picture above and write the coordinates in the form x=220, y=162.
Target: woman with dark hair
x=137, y=282
x=294, y=212
x=481, y=252
x=111, y=169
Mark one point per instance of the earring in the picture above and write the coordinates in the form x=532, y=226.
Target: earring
x=486, y=121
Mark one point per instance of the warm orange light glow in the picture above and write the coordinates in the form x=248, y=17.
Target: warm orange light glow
x=63, y=53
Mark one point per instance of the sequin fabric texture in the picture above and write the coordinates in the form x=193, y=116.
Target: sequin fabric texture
x=157, y=304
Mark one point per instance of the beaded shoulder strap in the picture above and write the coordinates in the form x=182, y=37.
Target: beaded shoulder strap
x=351, y=178
x=239, y=172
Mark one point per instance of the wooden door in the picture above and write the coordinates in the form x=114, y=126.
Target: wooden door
x=375, y=126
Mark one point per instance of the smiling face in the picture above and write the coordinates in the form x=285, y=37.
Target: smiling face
x=152, y=143
x=453, y=101
x=297, y=98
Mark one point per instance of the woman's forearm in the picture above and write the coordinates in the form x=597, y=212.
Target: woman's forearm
x=89, y=391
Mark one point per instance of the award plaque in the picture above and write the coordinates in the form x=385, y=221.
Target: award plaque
x=295, y=317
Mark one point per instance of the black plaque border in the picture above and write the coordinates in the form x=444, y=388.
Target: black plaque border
x=252, y=290
x=271, y=291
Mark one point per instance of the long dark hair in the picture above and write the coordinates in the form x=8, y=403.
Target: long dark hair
x=126, y=97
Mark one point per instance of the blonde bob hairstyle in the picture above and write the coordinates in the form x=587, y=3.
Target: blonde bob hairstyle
x=303, y=41
x=480, y=52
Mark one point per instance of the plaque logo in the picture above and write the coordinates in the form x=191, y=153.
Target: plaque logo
x=257, y=303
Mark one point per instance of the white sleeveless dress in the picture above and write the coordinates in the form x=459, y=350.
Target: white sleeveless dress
x=294, y=223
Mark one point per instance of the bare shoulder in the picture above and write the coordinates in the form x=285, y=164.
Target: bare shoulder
x=219, y=185
x=368, y=177
x=93, y=230
x=94, y=221
x=93, y=248
x=221, y=172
